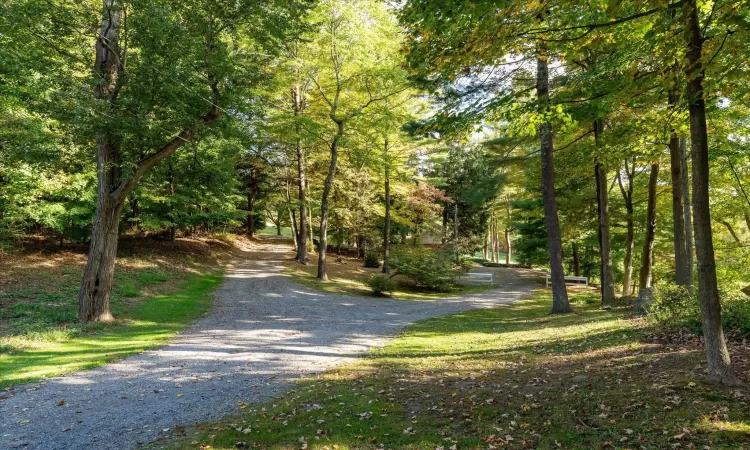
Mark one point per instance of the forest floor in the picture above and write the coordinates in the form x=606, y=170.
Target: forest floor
x=512, y=377
x=264, y=332
x=160, y=288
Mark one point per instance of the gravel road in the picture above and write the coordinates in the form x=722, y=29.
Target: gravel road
x=263, y=332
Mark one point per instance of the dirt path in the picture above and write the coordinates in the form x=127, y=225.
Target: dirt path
x=263, y=333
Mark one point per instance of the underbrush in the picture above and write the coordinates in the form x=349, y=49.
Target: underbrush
x=676, y=307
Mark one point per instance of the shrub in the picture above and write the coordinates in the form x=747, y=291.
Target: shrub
x=432, y=269
x=381, y=285
x=735, y=315
x=372, y=260
x=674, y=306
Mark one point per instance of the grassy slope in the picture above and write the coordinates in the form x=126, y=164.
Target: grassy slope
x=511, y=377
x=156, y=294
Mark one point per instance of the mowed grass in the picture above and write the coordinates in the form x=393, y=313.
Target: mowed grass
x=512, y=377
x=346, y=276
x=155, y=295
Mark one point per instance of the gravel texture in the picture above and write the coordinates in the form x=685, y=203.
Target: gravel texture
x=263, y=332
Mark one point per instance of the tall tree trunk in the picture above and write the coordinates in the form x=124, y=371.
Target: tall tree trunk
x=508, y=244
x=605, y=250
x=485, y=246
x=678, y=215
x=293, y=221
x=172, y=228
x=301, y=184
x=717, y=354
x=560, y=302
x=688, y=213
x=627, y=196
x=327, y=186
x=495, y=245
x=96, y=286
x=455, y=231
x=627, y=281
x=508, y=248
x=576, y=260
x=387, y=220
x=251, y=204
x=647, y=256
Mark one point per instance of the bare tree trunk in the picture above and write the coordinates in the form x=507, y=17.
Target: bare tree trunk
x=560, y=302
x=455, y=230
x=251, y=204
x=96, y=286
x=508, y=248
x=678, y=215
x=627, y=196
x=327, y=187
x=484, y=246
x=293, y=221
x=688, y=212
x=717, y=353
x=576, y=260
x=172, y=228
x=302, y=230
x=387, y=224
x=493, y=240
x=647, y=256
x=605, y=250
x=629, y=246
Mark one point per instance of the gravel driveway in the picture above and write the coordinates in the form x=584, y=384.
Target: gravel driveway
x=263, y=333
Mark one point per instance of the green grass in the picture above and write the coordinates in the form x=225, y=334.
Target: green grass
x=271, y=231
x=513, y=377
x=45, y=340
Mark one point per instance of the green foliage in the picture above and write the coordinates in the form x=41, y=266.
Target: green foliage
x=381, y=284
x=372, y=260
x=432, y=269
x=674, y=306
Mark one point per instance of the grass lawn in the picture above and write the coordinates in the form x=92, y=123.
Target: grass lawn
x=513, y=377
x=348, y=277
x=272, y=231
x=160, y=288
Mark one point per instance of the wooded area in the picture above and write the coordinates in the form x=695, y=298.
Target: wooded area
x=599, y=139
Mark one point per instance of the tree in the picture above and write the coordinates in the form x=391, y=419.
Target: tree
x=348, y=86
x=211, y=26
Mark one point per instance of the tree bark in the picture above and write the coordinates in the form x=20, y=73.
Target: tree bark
x=605, y=250
x=112, y=192
x=508, y=244
x=647, y=256
x=560, y=302
x=172, y=228
x=387, y=220
x=301, y=184
x=576, y=260
x=251, y=188
x=627, y=196
x=678, y=215
x=688, y=212
x=717, y=354
x=508, y=248
x=327, y=187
